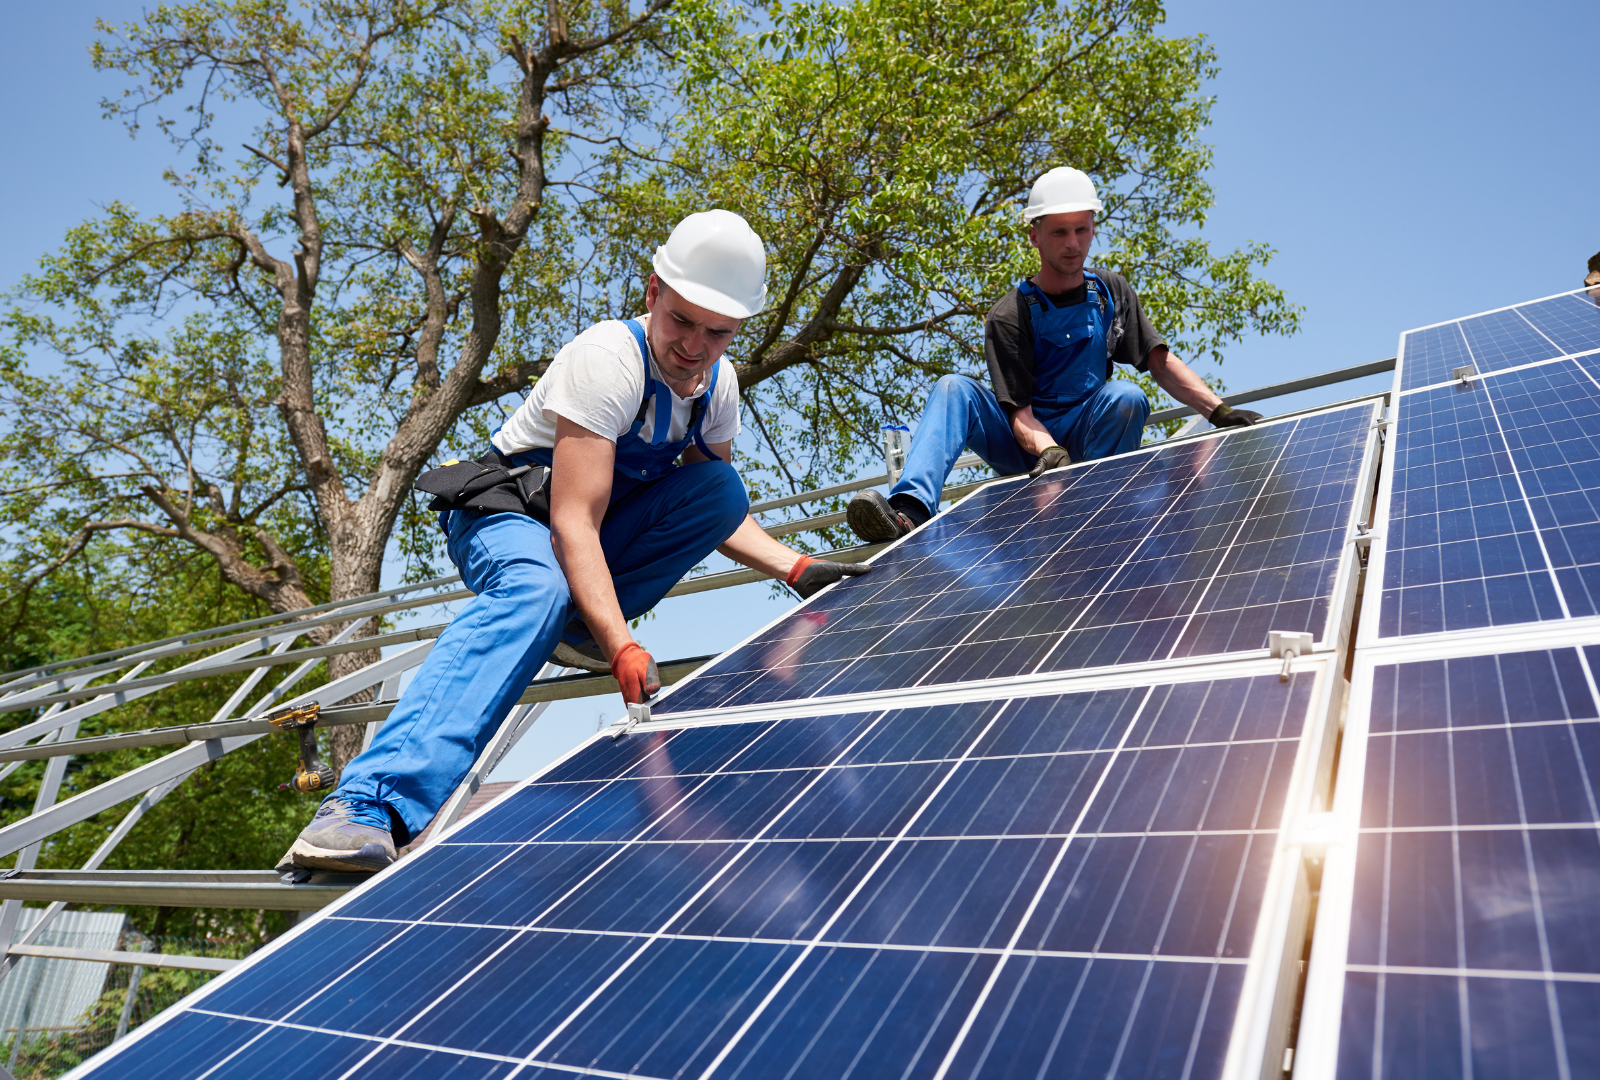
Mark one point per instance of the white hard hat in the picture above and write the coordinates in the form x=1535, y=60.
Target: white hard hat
x=1061, y=191
x=716, y=260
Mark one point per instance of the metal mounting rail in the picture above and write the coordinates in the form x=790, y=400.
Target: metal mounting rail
x=176, y=888
x=1293, y=386
x=137, y=959
x=557, y=689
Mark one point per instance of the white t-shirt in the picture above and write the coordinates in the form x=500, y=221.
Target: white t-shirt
x=597, y=381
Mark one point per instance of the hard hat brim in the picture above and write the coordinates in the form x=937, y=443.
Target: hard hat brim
x=702, y=296
x=1031, y=215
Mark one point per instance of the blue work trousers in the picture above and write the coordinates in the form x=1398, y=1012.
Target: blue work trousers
x=964, y=414
x=486, y=657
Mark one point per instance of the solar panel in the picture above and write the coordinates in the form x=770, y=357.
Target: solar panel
x=1558, y=326
x=1494, y=516
x=1196, y=549
x=1079, y=881
x=1463, y=938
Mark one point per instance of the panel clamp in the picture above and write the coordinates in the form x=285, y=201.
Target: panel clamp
x=1317, y=830
x=637, y=714
x=1464, y=374
x=1363, y=538
x=1288, y=644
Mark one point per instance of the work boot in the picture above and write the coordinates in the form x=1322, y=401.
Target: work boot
x=874, y=520
x=333, y=841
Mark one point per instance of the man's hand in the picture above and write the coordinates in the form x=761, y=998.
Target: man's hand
x=1052, y=457
x=809, y=576
x=635, y=673
x=1226, y=415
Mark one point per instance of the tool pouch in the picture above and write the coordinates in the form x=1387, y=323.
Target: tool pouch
x=488, y=486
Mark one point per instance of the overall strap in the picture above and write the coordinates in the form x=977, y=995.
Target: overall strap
x=1108, y=303
x=652, y=389
x=701, y=404
x=1031, y=295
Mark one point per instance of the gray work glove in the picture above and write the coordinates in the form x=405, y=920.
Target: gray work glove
x=1226, y=415
x=1053, y=458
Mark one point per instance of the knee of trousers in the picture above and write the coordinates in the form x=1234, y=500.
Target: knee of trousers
x=722, y=497
x=1127, y=400
x=524, y=587
x=958, y=387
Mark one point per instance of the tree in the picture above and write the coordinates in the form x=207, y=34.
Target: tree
x=413, y=241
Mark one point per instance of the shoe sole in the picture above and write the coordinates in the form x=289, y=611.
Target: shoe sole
x=869, y=520
x=369, y=860
x=567, y=656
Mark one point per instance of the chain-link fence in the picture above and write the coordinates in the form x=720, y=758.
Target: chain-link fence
x=62, y=1011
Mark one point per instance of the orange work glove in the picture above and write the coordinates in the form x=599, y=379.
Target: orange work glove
x=810, y=576
x=635, y=673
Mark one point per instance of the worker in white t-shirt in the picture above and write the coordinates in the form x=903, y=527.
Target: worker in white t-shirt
x=635, y=421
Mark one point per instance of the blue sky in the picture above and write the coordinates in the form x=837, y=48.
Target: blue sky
x=1411, y=162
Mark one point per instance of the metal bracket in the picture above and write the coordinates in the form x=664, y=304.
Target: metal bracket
x=1464, y=374
x=637, y=714
x=1363, y=537
x=1316, y=830
x=896, y=445
x=1288, y=644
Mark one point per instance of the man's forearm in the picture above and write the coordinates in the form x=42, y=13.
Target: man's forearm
x=580, y=491
x=751, y=546
x=1031, y=434
x=583, y=561
x=1180, y=380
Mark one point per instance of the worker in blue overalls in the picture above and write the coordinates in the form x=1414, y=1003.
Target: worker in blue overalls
x=1050, y=344
x=635, y=421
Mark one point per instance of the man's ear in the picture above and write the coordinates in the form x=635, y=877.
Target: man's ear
x=652, y=292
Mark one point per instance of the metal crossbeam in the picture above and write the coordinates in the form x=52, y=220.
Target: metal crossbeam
x=195, y=671
x=1293, y=386
x=177, y=888
x=140, y=959
x=194, y=638
x=540, y=690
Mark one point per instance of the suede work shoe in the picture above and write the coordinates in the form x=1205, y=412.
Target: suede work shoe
x=335, y=842
x=585, y=656
x=874, y=520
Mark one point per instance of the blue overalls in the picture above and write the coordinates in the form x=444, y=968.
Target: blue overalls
x=663, y=520
x=1088, y=412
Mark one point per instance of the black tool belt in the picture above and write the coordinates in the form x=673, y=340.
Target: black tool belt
x=490, y=485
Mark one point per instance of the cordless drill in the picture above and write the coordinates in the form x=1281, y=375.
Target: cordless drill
x=311, y=774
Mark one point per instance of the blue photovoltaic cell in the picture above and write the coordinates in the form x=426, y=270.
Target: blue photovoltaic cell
x=1475, y=938
x=1560, y=326
x=1495, y=514
x=1053, y=886
x=1196, y=549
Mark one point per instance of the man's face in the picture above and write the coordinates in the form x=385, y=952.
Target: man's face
x=685, y=338
x=1063, y=240
x=1592, y=283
